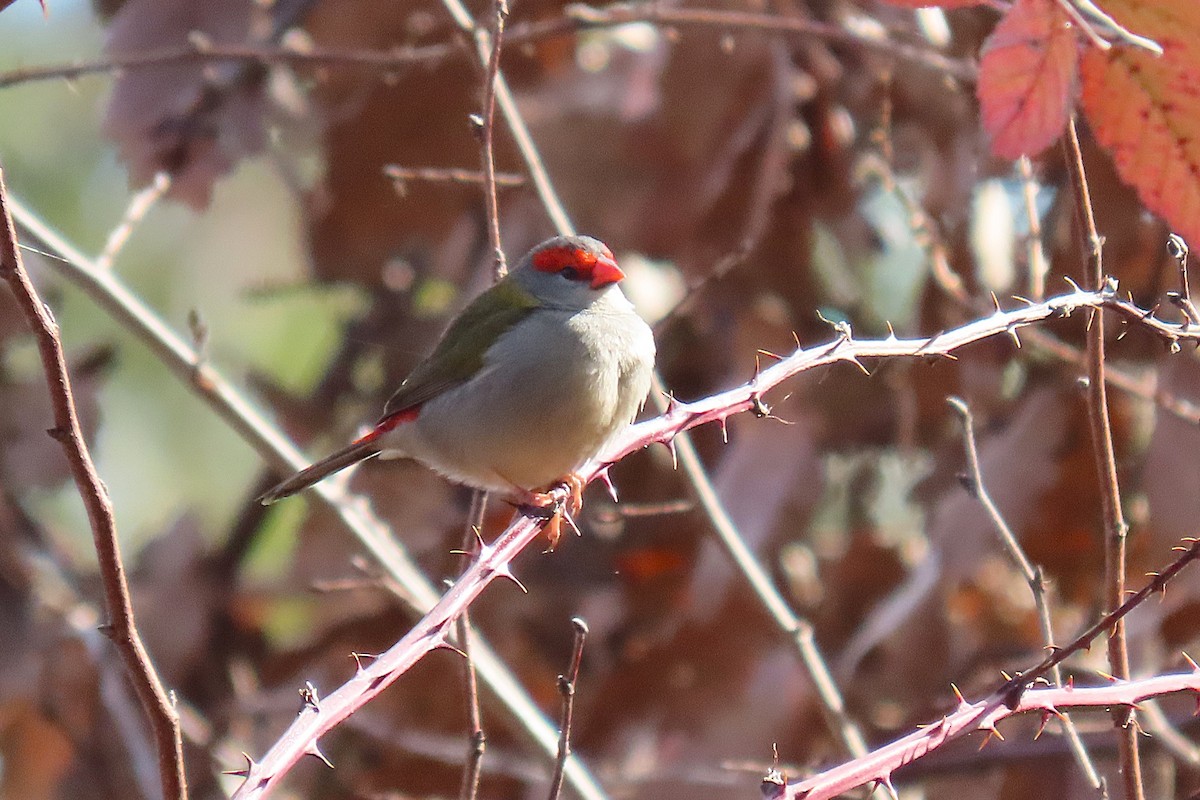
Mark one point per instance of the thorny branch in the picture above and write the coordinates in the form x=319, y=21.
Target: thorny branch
x=164, y=721
x=494, y=560
x=1015, y=696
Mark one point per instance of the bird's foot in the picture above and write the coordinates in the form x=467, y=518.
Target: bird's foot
x=551, y=505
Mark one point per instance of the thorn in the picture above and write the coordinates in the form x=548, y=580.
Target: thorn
x=1191, y=663
x=769, y=354
x=506, y=573
x=358, y=659
x=724, y=429
x=853, y=359
x=1012, y=332
x=1024, y=300
x=996, y=303
x=444, y=645
x=1106, y=676
x=571, y=521
x=1046, y=717
x=1074, y=286
x=316, y=753
x=608, y=483
x=962, y=701
x=244, y=772
x=891, y=330
x=670, y=443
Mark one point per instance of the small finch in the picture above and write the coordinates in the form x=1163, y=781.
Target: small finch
x=525, y=386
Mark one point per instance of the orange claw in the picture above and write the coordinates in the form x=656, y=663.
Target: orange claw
x=550, y=507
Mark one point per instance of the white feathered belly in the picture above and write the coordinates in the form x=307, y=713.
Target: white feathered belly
x=552, y=391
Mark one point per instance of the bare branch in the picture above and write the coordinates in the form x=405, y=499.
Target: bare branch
x=566, y=687
x=1033, y=576
x=160, y=710
x=1115, y=527
x=477, y=739
x=487, y=133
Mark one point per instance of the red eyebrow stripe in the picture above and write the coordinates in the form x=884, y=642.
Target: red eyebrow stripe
x=556, y=258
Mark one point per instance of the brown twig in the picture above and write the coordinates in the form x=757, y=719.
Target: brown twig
x=477, y=740
x=1115, y=527
x=566, y=687
x=488, y=131
x=1177, y=248
x=66, y=431
x=514, y=120
x=1033, y=576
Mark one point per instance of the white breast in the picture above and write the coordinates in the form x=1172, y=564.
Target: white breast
x=552, y=391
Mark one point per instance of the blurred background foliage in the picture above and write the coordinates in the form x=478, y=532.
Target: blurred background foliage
x=778, y=176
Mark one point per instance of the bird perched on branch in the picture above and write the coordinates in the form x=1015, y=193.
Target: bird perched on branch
x=527, y=383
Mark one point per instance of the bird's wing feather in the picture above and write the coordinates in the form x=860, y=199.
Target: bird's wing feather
x=460, y=352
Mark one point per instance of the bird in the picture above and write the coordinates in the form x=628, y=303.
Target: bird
x=527, y=384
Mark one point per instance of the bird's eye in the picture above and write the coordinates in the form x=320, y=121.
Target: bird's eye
x=570, y=273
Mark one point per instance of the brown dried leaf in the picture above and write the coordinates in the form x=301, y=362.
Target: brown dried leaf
x=188, y=119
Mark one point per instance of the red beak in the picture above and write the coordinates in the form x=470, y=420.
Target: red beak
x=605, y=272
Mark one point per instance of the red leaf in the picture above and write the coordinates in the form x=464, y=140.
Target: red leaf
x=1146, y=110
x=1027, y=78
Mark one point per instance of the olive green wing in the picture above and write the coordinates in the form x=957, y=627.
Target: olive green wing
x=460, y=352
